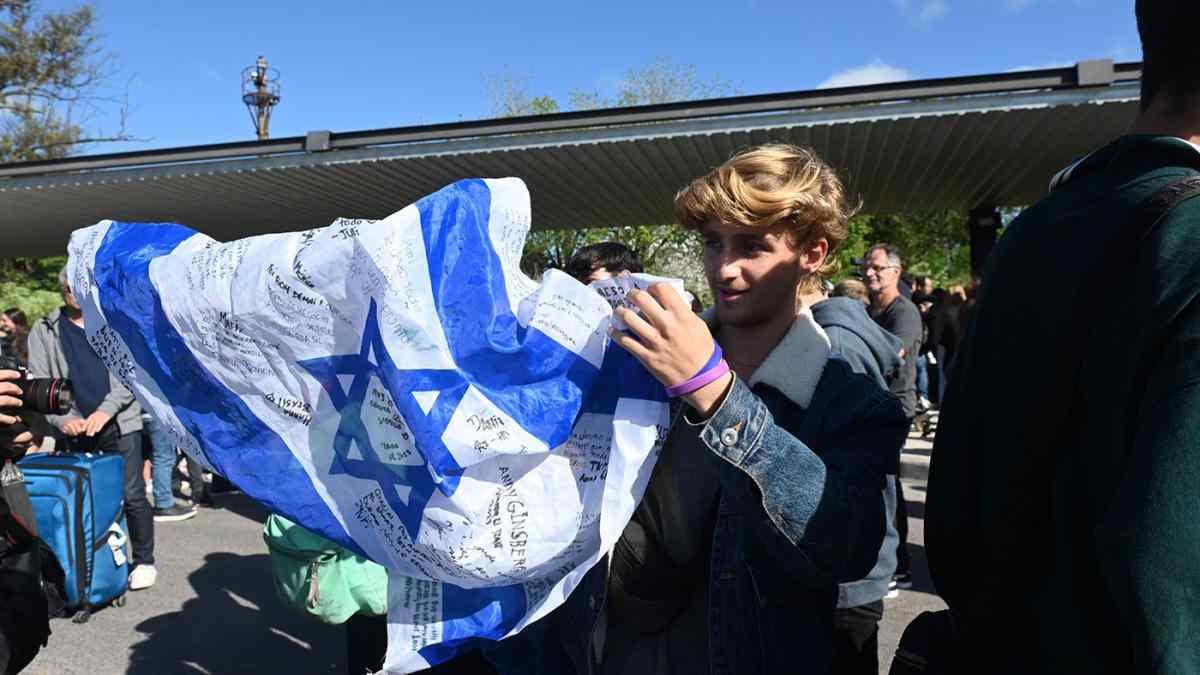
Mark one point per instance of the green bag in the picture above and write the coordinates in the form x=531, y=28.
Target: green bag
x=321, y=579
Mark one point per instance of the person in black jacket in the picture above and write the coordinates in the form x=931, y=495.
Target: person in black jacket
x=24, y=616
x=943, y=321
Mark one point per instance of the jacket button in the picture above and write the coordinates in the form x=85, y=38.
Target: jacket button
x=729, y=437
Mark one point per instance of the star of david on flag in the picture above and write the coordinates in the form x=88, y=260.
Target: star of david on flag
x=398, y=387
x=427, y=419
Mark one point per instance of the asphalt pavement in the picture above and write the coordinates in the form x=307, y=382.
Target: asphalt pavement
x=897, y=612
x=214, y=610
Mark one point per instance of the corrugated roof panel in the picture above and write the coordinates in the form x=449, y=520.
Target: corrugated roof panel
x=410, y=180
x=644, y=151
x=1057, y=143
x=759, y=136
x=882, y=150
x=1024, y=132
x=712, y=156
x=896, y=157
x=907, y=155
x=305, y=197
x=679, y=171
x=729, y=143
x=820, y=143
x=853, y=167
x=602, y=181
x=961, y=146
x=689, y=151
x=633, y=179
x=367, y=181
x=837, y=149
x=975, y=155
x=928, y=160
x=623, y=168
x=544, y=188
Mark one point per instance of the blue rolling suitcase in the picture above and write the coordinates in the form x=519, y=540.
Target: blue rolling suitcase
x=80, y=508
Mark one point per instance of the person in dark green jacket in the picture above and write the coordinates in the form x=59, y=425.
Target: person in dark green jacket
x=1063, y=519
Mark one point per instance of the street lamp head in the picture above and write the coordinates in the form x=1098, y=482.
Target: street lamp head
x=260, y=93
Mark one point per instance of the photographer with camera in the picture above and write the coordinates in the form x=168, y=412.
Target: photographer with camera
x=105, y=418
x=27, y=571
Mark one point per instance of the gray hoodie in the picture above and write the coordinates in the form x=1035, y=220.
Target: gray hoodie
x=46, y=359
x=872, y=351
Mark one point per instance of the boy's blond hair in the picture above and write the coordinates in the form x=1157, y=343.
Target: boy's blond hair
x=851, y=288
x=768, y=186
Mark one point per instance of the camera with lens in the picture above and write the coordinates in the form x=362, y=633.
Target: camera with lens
x=48, y=396
x=44, y=396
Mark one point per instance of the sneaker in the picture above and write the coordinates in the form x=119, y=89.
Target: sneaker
x=903, y=580
x=174, y=513
x=142, y=577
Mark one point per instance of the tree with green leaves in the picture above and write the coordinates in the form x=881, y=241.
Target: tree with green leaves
x=660, y=81
x=51, y=70
x=933, y=244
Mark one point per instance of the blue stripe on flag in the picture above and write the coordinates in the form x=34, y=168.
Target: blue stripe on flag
x=475, y=618
x=515, y=367
x=622, y=376
x=207, y=408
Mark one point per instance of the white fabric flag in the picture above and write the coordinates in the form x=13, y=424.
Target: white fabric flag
x=397, y=386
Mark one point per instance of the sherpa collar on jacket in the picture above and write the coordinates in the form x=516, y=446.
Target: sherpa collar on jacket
x=795, y=365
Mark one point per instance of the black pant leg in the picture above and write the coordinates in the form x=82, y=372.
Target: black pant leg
x=902, y=562
x=196, y=480
x=856, y=639
x=139, y=515
x=942, y=369
x=366, y=643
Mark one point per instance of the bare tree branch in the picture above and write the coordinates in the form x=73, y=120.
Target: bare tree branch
x=51, y=70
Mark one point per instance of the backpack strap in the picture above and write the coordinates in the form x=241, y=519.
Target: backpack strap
x=1122, y=251
x=1159, y=204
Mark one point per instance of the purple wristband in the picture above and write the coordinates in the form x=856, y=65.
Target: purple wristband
x=713, y=360
x=688, y=386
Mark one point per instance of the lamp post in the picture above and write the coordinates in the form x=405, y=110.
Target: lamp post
x=260, y=93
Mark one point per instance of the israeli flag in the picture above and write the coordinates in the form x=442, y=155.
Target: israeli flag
x=397, y=386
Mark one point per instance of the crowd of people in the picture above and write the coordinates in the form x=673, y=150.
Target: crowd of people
x=1061, y=516
x=160, y=485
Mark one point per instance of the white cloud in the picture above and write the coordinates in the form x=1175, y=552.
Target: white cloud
x=927, y=10
x=875, y=72
x=933, y=9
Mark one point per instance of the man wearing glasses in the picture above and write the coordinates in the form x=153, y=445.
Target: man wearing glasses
x=897, y=315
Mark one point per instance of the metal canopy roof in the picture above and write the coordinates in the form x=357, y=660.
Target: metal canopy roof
x=957, y=142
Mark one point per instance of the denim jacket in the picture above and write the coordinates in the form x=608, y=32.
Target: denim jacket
x=807, y=444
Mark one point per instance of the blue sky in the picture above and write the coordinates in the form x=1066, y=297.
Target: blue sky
x=373, y=64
